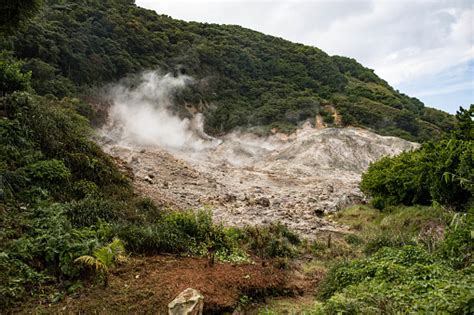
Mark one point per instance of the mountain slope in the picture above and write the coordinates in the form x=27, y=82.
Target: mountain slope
x=243, y=78
x=248, y=180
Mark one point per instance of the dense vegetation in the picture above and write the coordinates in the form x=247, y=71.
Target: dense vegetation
x=417, y=262
x=404, y=260
x=404, y=280
x=412, y=265
x=440, y=172
x=250, y=79
x=61, y=198
x=63, y=201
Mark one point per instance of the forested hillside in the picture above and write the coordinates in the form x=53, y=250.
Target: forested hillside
x=76, y=237
x=251, y=79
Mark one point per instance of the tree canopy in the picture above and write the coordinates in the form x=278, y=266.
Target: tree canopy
x=252, y=79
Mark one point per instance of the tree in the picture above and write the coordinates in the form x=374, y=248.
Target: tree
x=464, y=129
x=12, y=79
x=15, y=12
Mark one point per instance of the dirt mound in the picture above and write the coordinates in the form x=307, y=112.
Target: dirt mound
x=246, y=179
x=147, y=285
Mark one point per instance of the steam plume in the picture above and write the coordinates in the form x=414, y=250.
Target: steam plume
x=142, y=114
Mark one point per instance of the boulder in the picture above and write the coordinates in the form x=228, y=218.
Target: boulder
x=188, y=302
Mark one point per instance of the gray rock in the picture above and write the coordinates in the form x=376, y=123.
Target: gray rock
x=188, y=302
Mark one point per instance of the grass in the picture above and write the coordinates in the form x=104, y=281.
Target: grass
x=370, y=230
x=297, y=305
x=366, y=221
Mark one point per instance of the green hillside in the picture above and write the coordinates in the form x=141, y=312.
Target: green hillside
x=252, y=78
x=65, y=205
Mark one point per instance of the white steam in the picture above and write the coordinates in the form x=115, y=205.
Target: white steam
x=142, y=115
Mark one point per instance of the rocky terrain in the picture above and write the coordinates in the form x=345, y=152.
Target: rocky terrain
x=246, y=179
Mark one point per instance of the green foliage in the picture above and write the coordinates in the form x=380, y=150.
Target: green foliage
x=47, y=147
x=274, y=240
x=91, y=209
x=353, y=239
x=44, y=251
x=458, y=245
x=419, y=177
x=387, y=239
x=50, y=207
x=103, y=258
x=464, y=129
x=250, y=79
x=48, y=172
x=396, y=226
x=17, y=279
x=175, y=232
x=441, y=172
x=12, y=78
x=405, y=280
x=14, y=13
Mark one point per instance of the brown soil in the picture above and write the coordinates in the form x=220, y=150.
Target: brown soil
x=147, y=285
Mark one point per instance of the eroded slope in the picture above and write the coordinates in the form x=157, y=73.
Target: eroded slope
x=245, y=179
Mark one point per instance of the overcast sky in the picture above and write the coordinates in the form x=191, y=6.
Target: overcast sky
x=423, y=48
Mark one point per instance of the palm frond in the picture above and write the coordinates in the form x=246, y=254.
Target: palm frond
x=91, y=262
x=117, y=247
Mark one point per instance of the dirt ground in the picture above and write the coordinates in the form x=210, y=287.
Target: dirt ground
x=250, y=180
x=148, y=284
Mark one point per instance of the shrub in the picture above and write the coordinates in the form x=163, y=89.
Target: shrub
x=274, y=240
x=50, y=171
x=147, y=208
x=405, y=280
x=90, y=210
x=348, y=273
x=387, y=239
x=83, y=188
x=12, y=78
x=17, y=279
x=458, y=245
x=353, y=239
x=176, y=232
x=419, y=177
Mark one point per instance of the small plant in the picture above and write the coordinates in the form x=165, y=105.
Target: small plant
x=104, y=258
x=353, y=239
x=274, y=240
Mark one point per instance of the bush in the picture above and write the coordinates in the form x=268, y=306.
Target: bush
x=274, y=240
x=348, y=273
x=405, y=280
x=17, y=279
x=176, y=232
x=51, y=175
x=92, y=209
x=439, y=172
x=353, y=239
x=419, y=177
x=44, y=251
x=458, y=245
x=387, y=239
x=148, y=210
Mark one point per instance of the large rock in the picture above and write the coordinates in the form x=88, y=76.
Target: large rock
x=188, y=302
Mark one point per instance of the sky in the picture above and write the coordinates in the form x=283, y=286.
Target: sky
x=423, y=48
